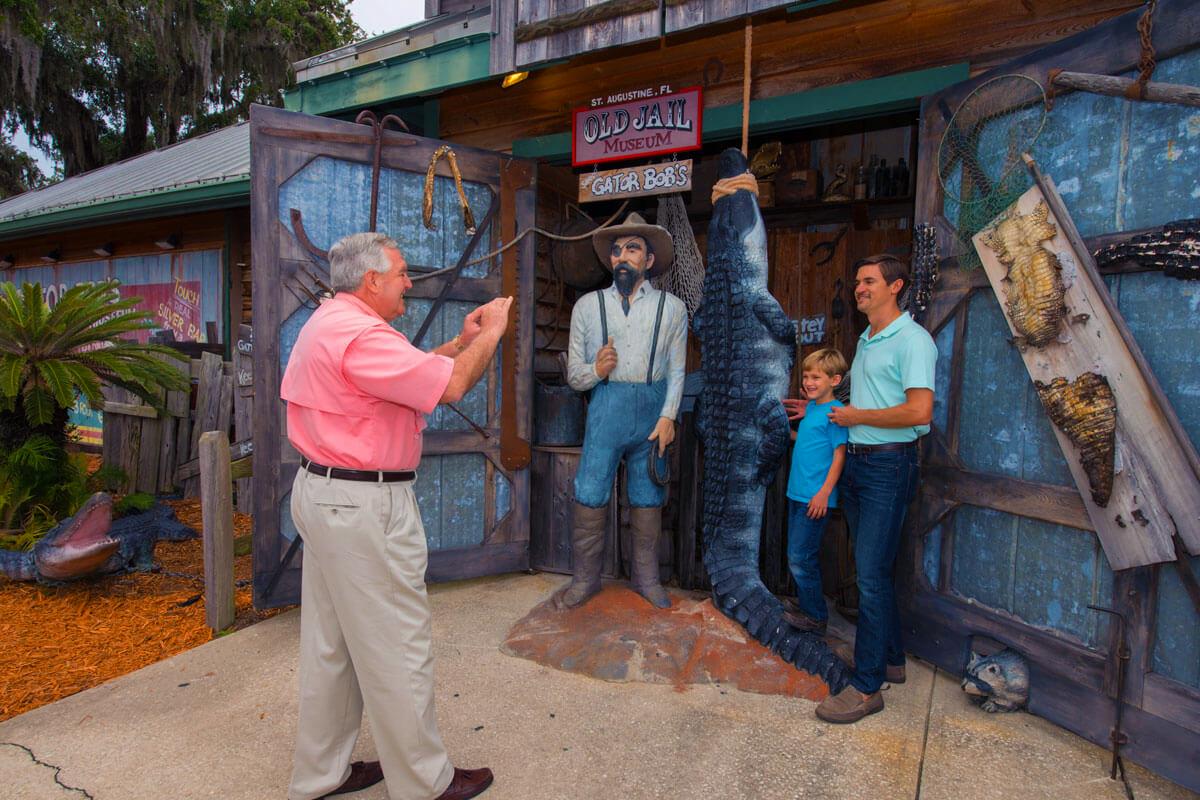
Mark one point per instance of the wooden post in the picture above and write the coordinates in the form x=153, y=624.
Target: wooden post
x=746, y=89
x=216, y=507
x=1116, y=86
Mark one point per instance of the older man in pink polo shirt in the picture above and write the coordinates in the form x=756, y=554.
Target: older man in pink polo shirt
x=357, y=392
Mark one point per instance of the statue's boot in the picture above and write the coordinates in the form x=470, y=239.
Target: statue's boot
x=587, y=555
x=646, y=526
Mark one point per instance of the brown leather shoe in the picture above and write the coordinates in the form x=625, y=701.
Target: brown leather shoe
x=893, y=673
x=848, y=706
x=467, y=783
x=804, y=622
x=362, y=775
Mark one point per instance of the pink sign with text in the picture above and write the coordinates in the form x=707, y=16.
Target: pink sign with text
x=644, y=122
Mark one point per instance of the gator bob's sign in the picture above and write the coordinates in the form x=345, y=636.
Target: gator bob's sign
x=636, y=124
x=614, y=184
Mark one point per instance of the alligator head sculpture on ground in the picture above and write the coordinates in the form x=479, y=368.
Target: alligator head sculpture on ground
x=91, y=543
x=748, y=347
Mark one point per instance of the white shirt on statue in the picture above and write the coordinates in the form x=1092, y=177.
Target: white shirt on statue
x=632, y=337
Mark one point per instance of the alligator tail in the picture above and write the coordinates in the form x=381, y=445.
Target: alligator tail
x=740, y=594
x=18, y=565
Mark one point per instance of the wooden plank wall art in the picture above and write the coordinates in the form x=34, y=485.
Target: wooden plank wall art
x=1134, y=472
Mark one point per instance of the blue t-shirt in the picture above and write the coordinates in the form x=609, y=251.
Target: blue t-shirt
x=812, y=453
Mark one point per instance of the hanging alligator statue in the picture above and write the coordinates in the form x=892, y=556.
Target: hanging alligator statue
x=748, y=347
x=92, y=543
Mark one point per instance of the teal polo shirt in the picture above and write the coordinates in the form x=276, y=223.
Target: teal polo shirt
x=902, y=356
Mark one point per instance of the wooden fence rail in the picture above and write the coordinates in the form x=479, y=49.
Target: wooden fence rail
x=160, y=453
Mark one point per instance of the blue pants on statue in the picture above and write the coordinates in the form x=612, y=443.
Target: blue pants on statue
x=803, y=554
x=619, y=418
x=874, y=491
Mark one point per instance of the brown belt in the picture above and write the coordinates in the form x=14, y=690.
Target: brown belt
x=367, y=475
x=862, y=449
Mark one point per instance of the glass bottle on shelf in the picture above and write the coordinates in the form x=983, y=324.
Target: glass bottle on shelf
x=883, y=179
x=860, y=183
x=872, y=174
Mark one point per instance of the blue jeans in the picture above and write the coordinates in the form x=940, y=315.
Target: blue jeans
x=803, y=550
x=874, y=492
x=619, y=418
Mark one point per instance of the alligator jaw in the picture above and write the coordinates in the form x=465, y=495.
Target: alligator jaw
x=80, y=545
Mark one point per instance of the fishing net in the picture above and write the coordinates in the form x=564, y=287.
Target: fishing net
x=685, y=279
x=979, y=159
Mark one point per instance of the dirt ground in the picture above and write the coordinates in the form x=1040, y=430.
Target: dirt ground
x=59, y=640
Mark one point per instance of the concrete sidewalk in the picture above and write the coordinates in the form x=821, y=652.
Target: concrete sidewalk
x=218, y=721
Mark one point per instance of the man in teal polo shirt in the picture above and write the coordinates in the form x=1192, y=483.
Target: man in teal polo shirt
x=891, y=404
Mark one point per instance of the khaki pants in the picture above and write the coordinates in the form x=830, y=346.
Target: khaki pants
x=364, y=638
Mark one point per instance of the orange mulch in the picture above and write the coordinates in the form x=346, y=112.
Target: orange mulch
x=59, y=640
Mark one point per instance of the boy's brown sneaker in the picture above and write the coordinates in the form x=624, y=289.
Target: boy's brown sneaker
x=893, y=673
x=848, y=706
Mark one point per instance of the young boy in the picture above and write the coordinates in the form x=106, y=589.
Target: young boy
x=817, y=460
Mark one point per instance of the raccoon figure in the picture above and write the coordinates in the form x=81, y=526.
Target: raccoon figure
x=1000, y=681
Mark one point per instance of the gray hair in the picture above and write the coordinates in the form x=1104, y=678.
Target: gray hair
x=351, y=257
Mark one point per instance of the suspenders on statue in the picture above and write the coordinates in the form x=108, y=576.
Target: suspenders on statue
x=662, y=300
x=603, y=323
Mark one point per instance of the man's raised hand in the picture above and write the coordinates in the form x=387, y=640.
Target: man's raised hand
x=472, y=326
x=606, y=359
x=493, y=316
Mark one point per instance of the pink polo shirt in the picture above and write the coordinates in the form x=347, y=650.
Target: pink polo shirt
x=357, y=390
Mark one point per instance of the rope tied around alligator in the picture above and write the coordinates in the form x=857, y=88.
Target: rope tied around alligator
x=726, y=186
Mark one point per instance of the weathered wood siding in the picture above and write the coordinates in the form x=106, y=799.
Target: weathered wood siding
x=1002, y=547
x=831, y=44
x=682, y=15
x=560, y=38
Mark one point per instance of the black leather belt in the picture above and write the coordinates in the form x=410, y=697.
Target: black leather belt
x=862, y=449
x=368, y=475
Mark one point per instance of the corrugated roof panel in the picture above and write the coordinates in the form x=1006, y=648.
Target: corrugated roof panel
x=214, y=157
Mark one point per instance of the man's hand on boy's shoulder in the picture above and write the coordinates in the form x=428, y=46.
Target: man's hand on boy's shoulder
x=794, y=406
x=845, y=416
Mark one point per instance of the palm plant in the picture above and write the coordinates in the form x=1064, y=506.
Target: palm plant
x=48, y=356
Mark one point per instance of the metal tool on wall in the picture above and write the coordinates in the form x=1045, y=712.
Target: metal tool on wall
x=1117, y=736
x=828, y=249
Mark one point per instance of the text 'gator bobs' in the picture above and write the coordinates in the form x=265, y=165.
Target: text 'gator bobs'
x=748, y=348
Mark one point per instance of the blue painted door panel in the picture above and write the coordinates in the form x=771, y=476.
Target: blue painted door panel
x=475, y=511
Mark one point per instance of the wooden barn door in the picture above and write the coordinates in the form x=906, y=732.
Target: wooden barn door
x=312, y=185
x=1000, y=551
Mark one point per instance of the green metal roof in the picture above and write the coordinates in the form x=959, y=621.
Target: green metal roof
x=209, y=171
x=424, y=58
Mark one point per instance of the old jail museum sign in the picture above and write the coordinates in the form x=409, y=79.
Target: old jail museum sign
x=636, y=124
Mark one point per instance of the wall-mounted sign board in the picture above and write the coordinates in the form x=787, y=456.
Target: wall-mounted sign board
x=812, y=329
x=637, y=124
x=1133, y=472
x=643, y=181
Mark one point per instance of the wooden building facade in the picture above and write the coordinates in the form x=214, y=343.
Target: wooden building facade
x=999, y=551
